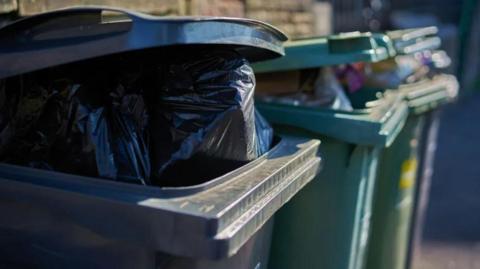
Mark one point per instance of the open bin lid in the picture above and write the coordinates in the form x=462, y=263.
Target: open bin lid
x=408, y=41
x=427, y=95
x=70, y=35
x=329, y=50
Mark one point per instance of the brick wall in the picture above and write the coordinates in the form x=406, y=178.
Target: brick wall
x=160, y=7
x=294, y=17
x=224, y=8
x=7, y=6
x=230, y=8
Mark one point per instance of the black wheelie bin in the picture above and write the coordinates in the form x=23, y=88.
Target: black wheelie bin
x=211, y=213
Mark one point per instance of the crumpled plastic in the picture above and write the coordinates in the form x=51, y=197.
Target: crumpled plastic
x=204, y=115
x=328, y=88
x=192, y=121
x=70, y=128
x=116, y=135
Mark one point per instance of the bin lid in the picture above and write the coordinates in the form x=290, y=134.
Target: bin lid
x=425, y=95
x=408, y=41
x=428, y=94
x=70, y=35
x=328, y=50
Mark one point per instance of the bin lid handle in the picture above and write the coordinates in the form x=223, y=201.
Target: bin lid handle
x=88, y=15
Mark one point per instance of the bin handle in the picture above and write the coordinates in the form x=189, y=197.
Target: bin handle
x=29, y=24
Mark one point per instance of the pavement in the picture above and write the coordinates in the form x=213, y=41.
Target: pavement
x=451, y=235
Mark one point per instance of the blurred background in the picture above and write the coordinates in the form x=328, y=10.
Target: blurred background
x=451, y=234
x=457, y=20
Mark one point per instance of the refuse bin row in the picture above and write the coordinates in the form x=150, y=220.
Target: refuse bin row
x=357, y=213
x=133, y=141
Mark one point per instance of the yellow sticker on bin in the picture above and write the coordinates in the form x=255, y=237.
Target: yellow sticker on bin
x=408, y=173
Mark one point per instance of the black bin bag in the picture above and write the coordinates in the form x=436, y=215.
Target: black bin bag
x=190, y=117
x=178, y=111
x=203, y=119
x=89, y=128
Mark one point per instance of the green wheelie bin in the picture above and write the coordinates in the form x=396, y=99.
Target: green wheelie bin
x=327, y=224
x=405, y=167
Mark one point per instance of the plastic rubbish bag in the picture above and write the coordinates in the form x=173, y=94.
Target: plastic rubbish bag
x=204, y=117
x=194, y=119
x=72, y=128
x=115, y=133
x=329, y=89
x=21, y=112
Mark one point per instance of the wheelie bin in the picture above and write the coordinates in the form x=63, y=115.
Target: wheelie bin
x=60, y=220
x=405, y=168
x=327, y=224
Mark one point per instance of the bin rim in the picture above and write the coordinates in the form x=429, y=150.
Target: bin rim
x=412, y=33
x=413, y=40
x=213, y=223
x=427, y=94
x=377, y=125
x=343, y=48
x=430, y=94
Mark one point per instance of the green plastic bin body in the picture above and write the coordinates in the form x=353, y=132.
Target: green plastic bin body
x=426, y=150
x=327, y=224
x=398, y=169
x=394, y=199
x=402, y=165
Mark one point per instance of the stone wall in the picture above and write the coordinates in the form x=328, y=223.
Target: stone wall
x=232, y=8
x=294, y=17
x=162, y=7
